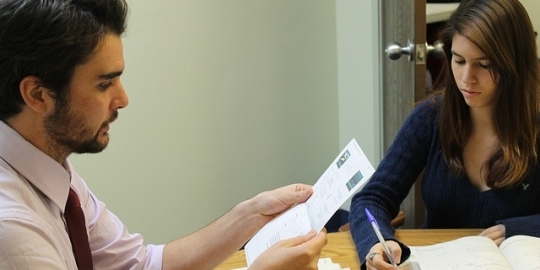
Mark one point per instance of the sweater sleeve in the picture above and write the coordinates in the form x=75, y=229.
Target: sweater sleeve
x=527, y=225
x=394, y=177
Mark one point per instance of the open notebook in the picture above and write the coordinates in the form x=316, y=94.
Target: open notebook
x=519, y=252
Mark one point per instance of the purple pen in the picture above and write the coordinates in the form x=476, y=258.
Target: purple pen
x=375, y=227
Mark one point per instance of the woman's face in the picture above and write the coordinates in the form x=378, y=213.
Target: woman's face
x=472, y=72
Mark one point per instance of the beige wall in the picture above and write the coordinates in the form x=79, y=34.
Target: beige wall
x=358, y=52
x=533, y=8
x=227, y=99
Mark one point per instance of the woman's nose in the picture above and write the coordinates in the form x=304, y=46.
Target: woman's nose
x=468, y=76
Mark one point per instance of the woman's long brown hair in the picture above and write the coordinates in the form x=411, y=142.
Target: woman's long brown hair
x=503, y=31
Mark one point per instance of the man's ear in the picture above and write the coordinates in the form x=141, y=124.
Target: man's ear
x=34, y=94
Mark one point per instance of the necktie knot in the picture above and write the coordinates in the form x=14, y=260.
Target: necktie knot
x=72, y=201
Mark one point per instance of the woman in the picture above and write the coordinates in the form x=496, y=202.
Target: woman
x=476, y=141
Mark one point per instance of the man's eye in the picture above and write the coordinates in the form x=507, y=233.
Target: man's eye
x=105, y=86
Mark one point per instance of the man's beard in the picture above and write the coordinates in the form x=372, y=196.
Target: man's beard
x=68, y=133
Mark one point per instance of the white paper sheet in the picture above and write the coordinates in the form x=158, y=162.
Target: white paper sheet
x=349, y=172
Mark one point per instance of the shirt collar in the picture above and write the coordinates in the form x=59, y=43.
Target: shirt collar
x=47, y=175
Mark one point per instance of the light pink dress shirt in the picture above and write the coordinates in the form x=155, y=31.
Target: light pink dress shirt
x=33, y=192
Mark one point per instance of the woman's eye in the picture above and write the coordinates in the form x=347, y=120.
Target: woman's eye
x=484, y=65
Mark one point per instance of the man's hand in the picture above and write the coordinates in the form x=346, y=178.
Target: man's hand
x=268, y=204
x=297, y=253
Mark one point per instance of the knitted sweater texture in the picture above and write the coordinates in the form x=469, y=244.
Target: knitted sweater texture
x=451, y=201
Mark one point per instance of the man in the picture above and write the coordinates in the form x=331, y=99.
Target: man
x=60, y=89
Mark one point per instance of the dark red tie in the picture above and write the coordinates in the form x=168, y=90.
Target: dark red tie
x=77, y=232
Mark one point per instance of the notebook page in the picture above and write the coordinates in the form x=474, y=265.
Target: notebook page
x=471, y=252
x=522, y=252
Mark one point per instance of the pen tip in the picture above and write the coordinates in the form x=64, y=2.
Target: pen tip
x=369, y=215
x=367, y=212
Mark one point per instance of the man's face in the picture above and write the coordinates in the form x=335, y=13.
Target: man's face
x=80, y=122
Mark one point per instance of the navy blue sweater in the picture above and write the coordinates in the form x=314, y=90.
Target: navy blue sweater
x=451, y=202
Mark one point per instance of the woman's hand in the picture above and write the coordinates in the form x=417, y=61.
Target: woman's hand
x=496, y=233
x=377, y=259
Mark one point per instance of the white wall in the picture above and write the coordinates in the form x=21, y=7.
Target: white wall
x=358, y=76
x=533, y=8
x=227, y=99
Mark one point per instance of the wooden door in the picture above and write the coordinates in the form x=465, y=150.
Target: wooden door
x=403, y=78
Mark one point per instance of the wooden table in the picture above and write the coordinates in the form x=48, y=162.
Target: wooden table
x=341, y=249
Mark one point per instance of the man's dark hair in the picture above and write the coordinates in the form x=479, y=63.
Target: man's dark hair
x=48, y=39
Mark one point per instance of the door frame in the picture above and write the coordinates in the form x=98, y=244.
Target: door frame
x=400, y=89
